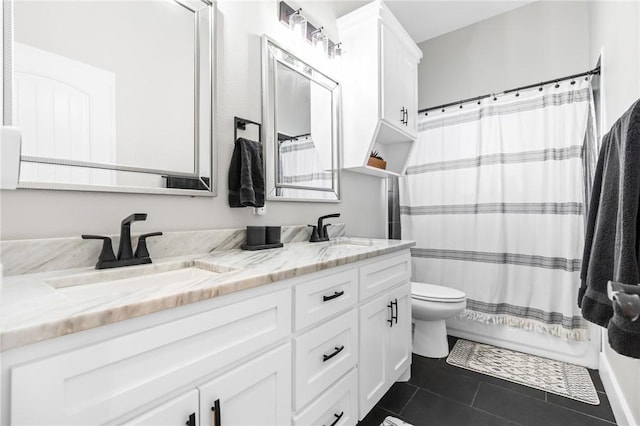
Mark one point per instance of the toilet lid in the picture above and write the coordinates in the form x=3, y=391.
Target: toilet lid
x=436, y=293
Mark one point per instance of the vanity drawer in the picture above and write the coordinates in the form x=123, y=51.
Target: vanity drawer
x=100, y=382
x=338, y=404
x=323, y=355
x=321, y=298
x=384, y=274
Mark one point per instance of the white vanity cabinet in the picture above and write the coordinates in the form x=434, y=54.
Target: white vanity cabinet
x=380, y=89
x=177, y=411
x=385, y=330
x=315, y=349
x=114, y=374
x=257, y=393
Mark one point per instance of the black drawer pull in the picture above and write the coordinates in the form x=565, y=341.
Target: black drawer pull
x=390, y=321
x=395, y=302
x=326, y=358
x=338, y=417
x=192, y=420
x=333, y=296
x=216, y=413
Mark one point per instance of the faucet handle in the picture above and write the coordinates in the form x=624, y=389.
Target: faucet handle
x=106, y=255
x=141, y=250
x=314, y=234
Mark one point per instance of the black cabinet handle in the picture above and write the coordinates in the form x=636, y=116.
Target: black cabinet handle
x=333, y=296
x=406, y=117
x=338, y=417
x=395, y=302
x=390, y=320
x=192, y=420
x=326, y=358
x=402, y=115
x=216, y=413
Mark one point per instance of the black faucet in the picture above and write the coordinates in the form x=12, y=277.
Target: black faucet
x=126, y=257
x=319, y=232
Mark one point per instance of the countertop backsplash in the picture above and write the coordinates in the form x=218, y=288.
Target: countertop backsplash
x=51, y=254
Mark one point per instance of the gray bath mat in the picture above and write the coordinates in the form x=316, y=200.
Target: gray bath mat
x=560, y=378
x=392, y=421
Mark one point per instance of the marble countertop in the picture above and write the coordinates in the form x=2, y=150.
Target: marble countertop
x=32, y=309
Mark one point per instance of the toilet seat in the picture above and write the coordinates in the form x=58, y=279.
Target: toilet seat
x=436, y=293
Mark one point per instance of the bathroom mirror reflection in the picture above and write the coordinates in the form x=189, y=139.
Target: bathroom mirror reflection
x=127, y=107
x=302, y=141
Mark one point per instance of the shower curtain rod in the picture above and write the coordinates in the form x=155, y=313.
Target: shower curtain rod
x=477, y=98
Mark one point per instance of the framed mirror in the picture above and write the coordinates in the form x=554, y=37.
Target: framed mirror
x=302, y=133
x=111, y=95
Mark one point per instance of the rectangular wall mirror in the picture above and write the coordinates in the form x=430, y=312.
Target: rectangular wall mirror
x=301, y=113
x=111, y=95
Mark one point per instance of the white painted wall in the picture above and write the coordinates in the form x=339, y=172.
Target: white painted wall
x=536, y=42
x=615, y=33
x=41, y=213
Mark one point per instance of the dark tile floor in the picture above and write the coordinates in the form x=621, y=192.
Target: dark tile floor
x=440, y=394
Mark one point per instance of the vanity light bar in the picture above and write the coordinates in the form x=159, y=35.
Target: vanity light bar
x=334, y=49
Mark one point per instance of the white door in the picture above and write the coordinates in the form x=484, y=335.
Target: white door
x=255, y=394
x=66, y=110
x=391, y=76
x=372, y=370
x=179, y=411
x=399, y=346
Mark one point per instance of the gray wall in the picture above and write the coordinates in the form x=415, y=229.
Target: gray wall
x=615, y=33
x=39, y=213
x=540, y=41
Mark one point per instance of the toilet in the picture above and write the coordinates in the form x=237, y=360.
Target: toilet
x=431, y=305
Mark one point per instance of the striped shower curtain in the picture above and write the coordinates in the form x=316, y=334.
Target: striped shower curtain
x=493, y=196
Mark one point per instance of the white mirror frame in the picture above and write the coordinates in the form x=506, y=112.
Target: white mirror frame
x=269, y=129
x=203, y=58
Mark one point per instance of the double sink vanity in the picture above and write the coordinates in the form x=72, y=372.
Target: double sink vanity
x=308, y=334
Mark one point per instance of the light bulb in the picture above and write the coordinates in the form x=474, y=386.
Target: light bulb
x=335, y=51
x=320, y=41
x=298, y=24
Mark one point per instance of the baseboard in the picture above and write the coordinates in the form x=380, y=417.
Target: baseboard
x=619, y=405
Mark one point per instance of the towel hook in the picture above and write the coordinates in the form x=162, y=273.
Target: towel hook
x=628, y=303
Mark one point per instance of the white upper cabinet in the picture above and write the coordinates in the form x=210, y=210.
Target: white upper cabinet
x=380, y=89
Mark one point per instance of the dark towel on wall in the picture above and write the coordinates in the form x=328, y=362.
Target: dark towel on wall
x=611, y=240
x=246, y=176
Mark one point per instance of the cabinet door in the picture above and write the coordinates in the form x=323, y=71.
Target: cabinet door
x=399, y=346
x=176, y=412
x=409, y=90
x=391, y=77
x=372, y=369
x=256, y=394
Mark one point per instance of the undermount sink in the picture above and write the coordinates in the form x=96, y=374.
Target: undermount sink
x=348, y=242
x=144, y=275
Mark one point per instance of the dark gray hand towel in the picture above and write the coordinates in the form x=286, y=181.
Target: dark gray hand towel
x=611, y=239
x=246, y=175
x=623, y=332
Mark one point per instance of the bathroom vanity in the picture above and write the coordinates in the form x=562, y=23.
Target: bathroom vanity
x=314, y=333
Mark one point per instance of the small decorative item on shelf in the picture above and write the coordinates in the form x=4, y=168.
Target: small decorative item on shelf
x=376, y=161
